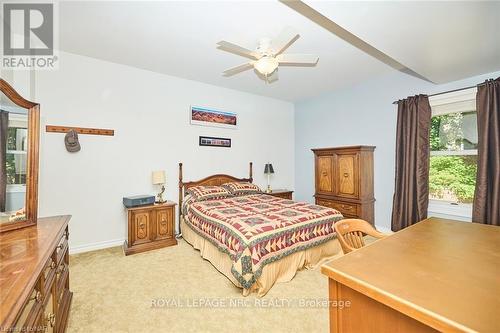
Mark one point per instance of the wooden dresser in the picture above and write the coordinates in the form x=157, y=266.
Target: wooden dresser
x=150, y=227
x=34, y=277
x=344, y=180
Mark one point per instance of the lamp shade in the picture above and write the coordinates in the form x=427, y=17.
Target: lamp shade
x=268, y=169
x=158, y=177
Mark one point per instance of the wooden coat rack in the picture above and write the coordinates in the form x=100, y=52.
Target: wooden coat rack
x=79, y=130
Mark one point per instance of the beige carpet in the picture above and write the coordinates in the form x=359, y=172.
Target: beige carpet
x=114, y=293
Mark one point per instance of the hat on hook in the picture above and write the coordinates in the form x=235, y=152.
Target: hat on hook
x=71, y=141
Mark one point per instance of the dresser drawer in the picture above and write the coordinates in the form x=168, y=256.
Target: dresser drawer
x=49, y=272
x=347, y=209
x=62, y=271
x=62, y=247
x=31, y=310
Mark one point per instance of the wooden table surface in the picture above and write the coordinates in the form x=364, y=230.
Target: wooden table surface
x=441, y=272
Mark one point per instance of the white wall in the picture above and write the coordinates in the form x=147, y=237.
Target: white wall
x=362, y=114
x=150, y=115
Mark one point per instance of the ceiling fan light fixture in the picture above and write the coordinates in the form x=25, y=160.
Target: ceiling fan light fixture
x=266, y=65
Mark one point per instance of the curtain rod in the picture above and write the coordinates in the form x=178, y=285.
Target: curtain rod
x=449, y=91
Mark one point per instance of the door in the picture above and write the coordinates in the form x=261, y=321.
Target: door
x=324, y=174
x=164, y=223
x=141, y=226
x=347, y=175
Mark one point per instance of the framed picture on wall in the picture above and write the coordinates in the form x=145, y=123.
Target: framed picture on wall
x=203, y=116
x=215, y=142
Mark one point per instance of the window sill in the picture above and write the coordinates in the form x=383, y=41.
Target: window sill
x=445, y=208
x=16, y=189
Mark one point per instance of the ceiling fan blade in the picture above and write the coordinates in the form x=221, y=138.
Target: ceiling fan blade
x=284, y=40
x=298, y=59
x=233, y=48
x=238, y=69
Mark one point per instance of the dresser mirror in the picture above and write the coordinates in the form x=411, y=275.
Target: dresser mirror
x=19, y=136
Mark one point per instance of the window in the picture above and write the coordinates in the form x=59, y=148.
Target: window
x=17, y=147
x=453, y=160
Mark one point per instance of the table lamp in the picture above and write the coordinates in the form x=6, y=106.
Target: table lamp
x=159, y=179
x=268, y=170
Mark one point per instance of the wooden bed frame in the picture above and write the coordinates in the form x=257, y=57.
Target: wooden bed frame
x=213, y=180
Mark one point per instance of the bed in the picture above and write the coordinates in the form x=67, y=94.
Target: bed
x=255, y=240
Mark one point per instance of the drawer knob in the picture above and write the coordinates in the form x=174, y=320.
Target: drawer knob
x=52, y=264
x=37, y=297
x=60, y=246
x=346, y=207
x=51, y=319
x=61, y=269
x=346, y=174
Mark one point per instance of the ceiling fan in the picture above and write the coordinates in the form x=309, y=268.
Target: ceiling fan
x=269, y=55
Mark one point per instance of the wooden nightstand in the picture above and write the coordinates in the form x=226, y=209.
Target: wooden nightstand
x=150, y=227
x=285, y=194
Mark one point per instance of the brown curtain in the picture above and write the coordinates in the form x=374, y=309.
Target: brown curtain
x=486, y=208
x=411, y=190
x=4, y=121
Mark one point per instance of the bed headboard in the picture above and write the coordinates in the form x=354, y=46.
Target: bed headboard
x=213, y=180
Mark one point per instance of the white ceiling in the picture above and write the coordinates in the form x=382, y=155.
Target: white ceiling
x=442, y=41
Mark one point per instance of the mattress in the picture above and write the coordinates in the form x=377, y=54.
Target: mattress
x=257, y=230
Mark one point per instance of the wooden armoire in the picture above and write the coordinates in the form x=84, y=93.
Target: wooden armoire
x=344, y=180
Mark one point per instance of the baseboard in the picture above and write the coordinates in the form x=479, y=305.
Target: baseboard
x=95, y=246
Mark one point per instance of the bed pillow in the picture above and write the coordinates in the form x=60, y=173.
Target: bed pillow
x=242, y=188
x=201, y=193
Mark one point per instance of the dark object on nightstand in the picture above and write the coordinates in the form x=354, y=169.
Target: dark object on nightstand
x=150, y=227
x=285, y=194
x=138, y=200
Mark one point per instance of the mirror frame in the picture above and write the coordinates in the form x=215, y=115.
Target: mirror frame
x=31, y=203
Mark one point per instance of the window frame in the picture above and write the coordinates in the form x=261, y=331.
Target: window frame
x=453, y=102
x=18, y=121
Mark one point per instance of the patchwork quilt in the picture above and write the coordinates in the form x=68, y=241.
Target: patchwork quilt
x=257, y=229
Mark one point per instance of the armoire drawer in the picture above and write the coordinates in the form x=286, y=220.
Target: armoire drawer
x=347, y=209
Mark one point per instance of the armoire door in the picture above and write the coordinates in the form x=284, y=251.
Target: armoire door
x=347, y=171
x=324, y=174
